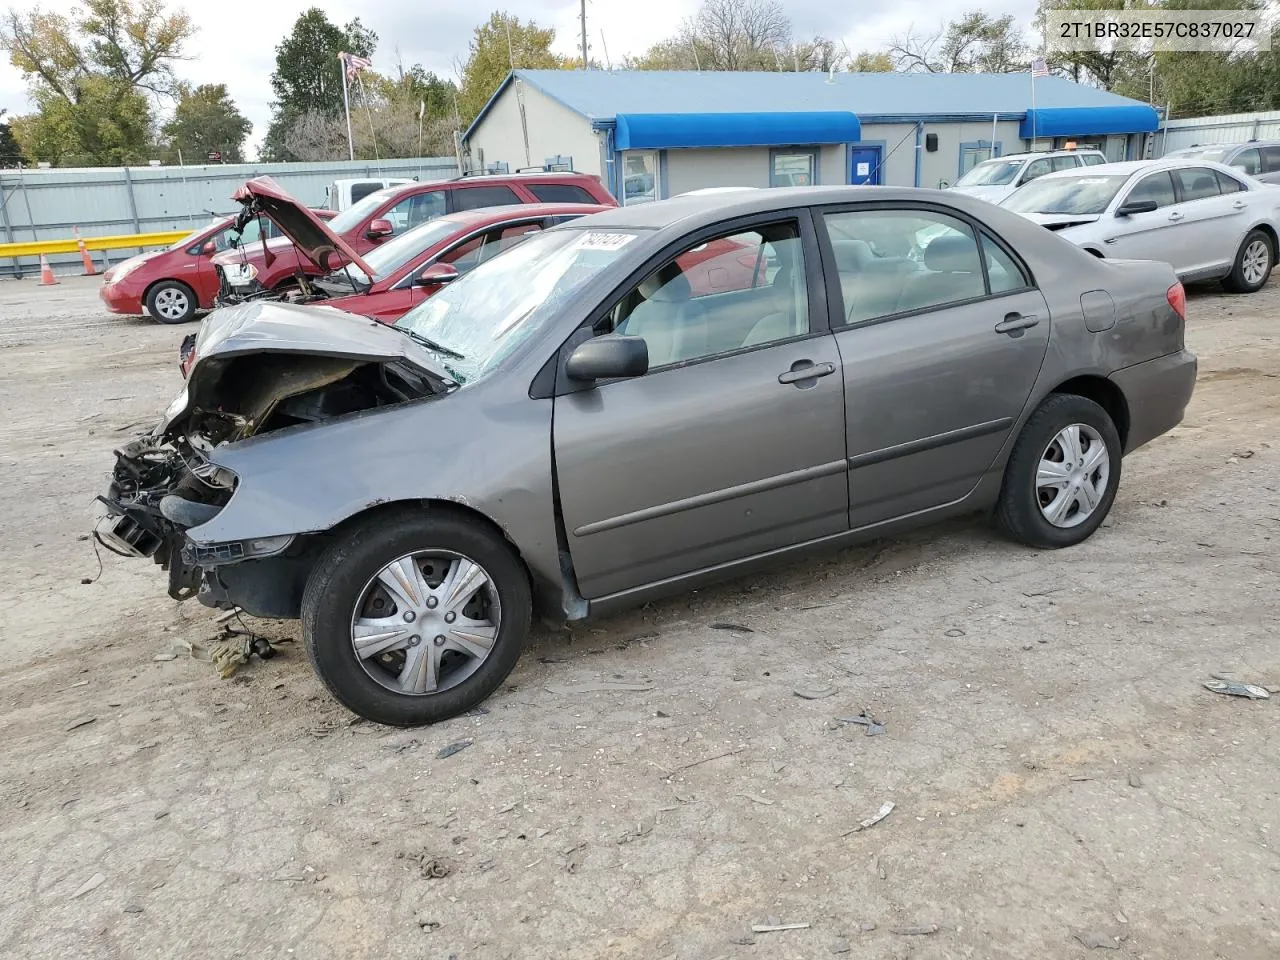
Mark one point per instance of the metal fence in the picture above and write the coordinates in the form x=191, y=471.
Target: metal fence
x=1225, y=128
x=49, y=204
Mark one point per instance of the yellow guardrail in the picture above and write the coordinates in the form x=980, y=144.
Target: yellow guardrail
x=36, y=248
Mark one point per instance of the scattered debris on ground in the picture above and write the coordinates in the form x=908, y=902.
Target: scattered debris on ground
x=820, y=692
x=777, y=927
x=874, y=727
x=445, y=752
x=1102, y=939
x=598, y=686
x=918, y=931
x=1237, y=688
x=93, y=883
x=80, y=722
x=884, y=811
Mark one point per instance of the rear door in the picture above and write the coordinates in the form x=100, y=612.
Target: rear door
x=1212, y=224
x=941, y=333
x=730, y=446
x=1148, y=236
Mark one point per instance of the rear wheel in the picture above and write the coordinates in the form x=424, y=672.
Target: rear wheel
x=1062, y=476
x=416, y=617
x=1252, y=268
x=171, y=301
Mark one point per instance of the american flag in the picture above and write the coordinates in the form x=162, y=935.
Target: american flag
x=354, y=64
x=1039, y=69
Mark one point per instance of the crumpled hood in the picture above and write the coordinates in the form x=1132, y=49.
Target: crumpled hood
x=265, y=326
x=307, y=231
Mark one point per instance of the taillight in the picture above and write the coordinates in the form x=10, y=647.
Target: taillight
x=1177, y=297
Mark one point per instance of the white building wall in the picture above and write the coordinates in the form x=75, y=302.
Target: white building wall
x=724, y=167
x=554, y=130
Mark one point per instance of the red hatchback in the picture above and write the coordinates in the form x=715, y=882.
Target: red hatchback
x=387, y=214
x=172, y=284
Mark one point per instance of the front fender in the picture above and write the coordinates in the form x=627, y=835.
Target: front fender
x=488, y=449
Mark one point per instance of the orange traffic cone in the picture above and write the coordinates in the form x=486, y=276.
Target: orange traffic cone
x=89, y=269
x=47, y=279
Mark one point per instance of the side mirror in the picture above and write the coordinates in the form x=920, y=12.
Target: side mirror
x=435, y=274
x=1137, y=206
x=209, y=248
x=380, y=229
x=607, y=357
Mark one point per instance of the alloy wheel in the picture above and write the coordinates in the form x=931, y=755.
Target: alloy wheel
x=1256, y=261
x=172, y=304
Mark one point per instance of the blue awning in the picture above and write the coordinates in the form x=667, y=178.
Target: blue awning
x=669, y=131
x=1084, y=121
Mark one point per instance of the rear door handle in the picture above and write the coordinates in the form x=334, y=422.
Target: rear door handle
x=1175, y=216
x=806, y=370
x=1013, y=322
x=1239, y=205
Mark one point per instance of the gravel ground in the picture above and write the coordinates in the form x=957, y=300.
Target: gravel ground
x=1059, y=775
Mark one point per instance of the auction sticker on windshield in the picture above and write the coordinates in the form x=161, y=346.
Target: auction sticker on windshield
x=597, y=240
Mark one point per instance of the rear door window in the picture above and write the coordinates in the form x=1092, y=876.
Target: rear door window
x=1092, y=159
x=1067, y=162
x=560, y=193
x=1270, y=159
x=1228, y=184
x=494, y=195
x=1196, y=183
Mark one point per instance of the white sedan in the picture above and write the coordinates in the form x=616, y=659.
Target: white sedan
x=1206, y=220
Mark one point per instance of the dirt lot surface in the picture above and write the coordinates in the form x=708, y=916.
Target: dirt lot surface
x=1060, y=777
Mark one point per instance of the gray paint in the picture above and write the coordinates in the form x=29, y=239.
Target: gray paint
x=739, y=467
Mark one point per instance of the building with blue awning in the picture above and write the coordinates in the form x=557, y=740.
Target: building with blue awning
x=655, y=134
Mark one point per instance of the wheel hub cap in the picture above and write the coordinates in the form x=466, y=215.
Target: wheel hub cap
x=439, y=596
x=1256, y=257
x=1073, y=474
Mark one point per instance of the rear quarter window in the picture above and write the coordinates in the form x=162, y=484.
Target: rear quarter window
x=361, y=190
x=560, y=193
x=472, y=198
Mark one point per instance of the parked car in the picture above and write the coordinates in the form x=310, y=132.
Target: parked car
x=993, y=180
x=1206, y=220
x=569, y=425
x=1259, y=159
x=341, y=194
x=276, y=265
x=416, y=264
x=172, y=284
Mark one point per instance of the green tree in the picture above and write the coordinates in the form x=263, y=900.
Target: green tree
x=308, y=74
x=1103, y=68
x=90, y=74
x=868, y=62
x=10, y=152
x=976, y=43
x=500, y=44
x=206, y=119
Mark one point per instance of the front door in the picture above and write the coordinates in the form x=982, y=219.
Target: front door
x=864, y=166
x=732, y=445
x=1149, y=236
x=939, y=355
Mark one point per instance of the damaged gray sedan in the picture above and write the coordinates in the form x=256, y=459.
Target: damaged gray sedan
x=637, y=403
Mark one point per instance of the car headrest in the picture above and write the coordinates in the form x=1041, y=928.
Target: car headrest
x=851, y=254
x=666, y=285
x=957, y=254
x=1203, y=183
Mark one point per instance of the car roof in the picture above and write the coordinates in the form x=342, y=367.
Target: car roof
x=513, y=211
x=1129, y=167
x=1043, y=153
x=404, y=189
x=1228, y=146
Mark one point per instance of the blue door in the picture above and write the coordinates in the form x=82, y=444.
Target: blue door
x=864, y=165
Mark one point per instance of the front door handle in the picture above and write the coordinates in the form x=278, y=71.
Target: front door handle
x=1014, y=322
x=806, y=370
x=1239, y=205
x=1175, y=216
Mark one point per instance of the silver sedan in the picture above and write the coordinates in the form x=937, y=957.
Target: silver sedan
x=637, y=403
x=1206, y=220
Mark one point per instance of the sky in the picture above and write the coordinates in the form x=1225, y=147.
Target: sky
x=236, y=41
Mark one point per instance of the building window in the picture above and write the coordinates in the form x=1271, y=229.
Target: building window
x=976, y=152
x=793, y=168
x=640, y=177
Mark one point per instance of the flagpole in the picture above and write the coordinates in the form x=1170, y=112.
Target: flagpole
x=992, y=152
x=1033, y=108
x=346, y=104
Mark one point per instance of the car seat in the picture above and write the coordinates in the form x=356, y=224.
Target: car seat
x=673, y=325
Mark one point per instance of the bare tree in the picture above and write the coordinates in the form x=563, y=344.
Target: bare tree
x=975, y=43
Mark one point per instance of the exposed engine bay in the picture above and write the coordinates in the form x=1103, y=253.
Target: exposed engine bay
x=164, y=483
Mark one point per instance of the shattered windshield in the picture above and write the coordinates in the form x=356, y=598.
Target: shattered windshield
x=478, y=319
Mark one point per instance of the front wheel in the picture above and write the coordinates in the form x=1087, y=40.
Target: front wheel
x=416, y=617
x=171, y=302
x=1062, y=476
x=1252, y=268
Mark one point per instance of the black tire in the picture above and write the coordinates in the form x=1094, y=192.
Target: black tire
x=1236, y=281
x=171, y=301
x=1018, y=511
x=345, y=569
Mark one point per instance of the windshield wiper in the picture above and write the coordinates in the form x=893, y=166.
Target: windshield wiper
x=430, y=344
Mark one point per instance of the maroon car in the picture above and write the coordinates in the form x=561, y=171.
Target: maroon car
x=387, y=214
